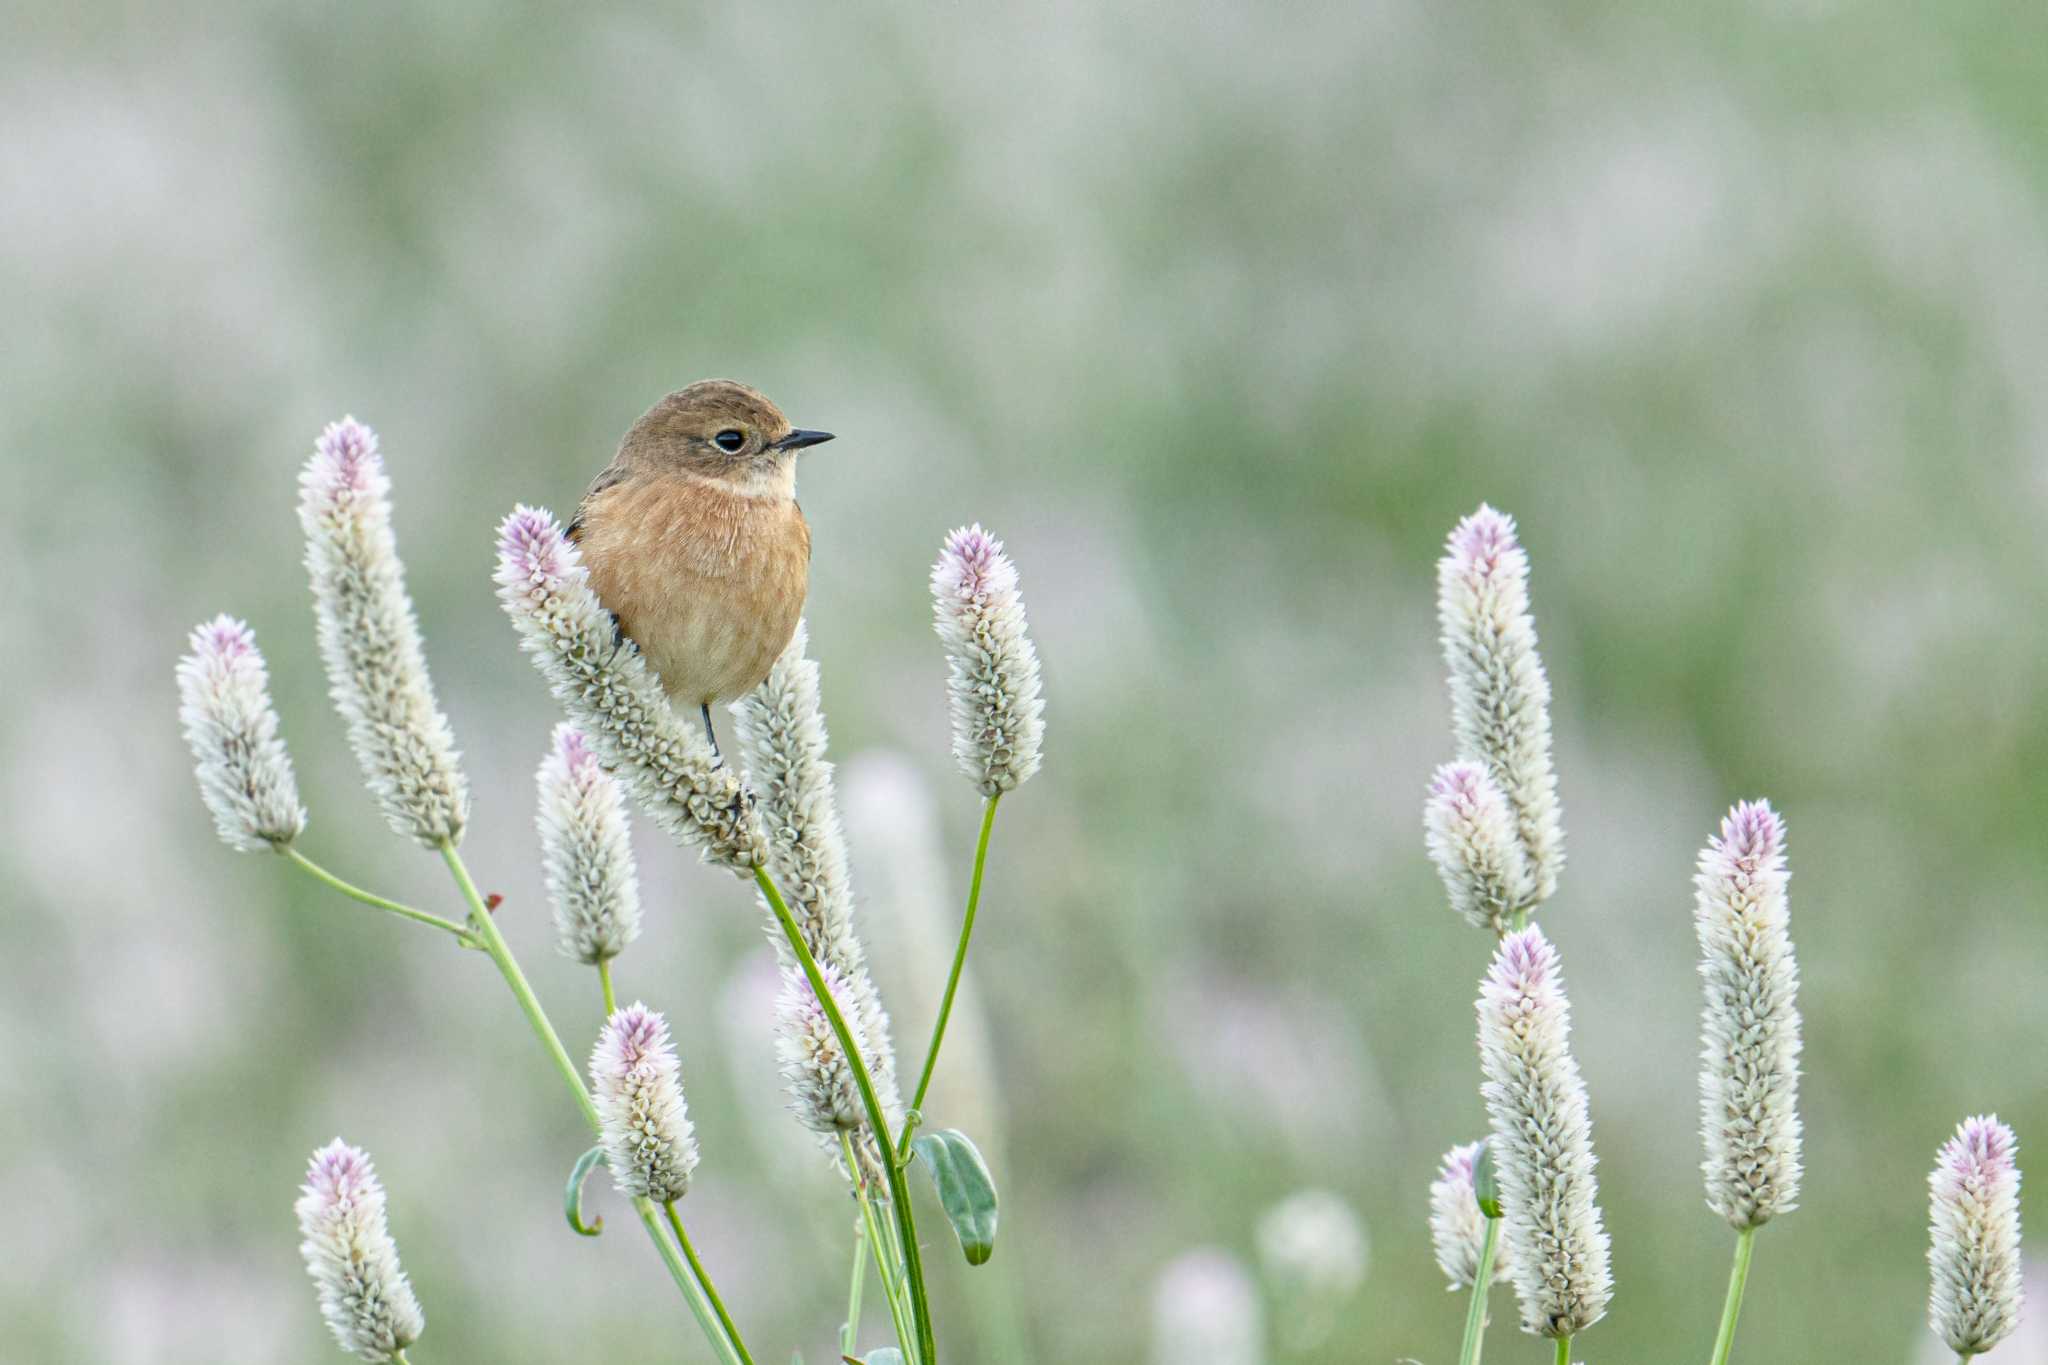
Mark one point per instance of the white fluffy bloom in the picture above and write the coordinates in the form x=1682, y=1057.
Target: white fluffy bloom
x=1500, y=697
x=245, y=774
x=1312, y=1243
x=1206, y=1309
x=615, y=700
x=364, y=1295
x=1470, y=830
x=998, y=718
x=1542, y=1140
x=822, y=1088
x=1457, y=1228
x=370, y=639
x=1974, y=1256
x=586, y=851
x=1749, y=1074
x=781, y=729
x=642, y=1121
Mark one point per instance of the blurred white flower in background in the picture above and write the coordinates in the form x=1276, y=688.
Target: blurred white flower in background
x=1312, y=1251
x=1206, y=1308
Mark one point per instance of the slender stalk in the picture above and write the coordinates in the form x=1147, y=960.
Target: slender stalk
x=399, y=1357
x=485, y=934
x=850, y=1334
x=878, y=1243
x=675, y=1221
x=604, y=977
x=1737, y=1278
x=1475, y=1314
x=1521, y=920
x=931, y=1053
x=1564, y=1351
x=357, y=893
x=878, y=1122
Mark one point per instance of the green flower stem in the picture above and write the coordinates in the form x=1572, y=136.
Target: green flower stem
x=484, y=932
x=675, y=1221
x=878, y=1122
x=1475, y=1314
x=604, y=977
x=356, y=893
x=1737, y=1278
x=849, y=1335
x=1564, y=1351
x=931, y=1053
x=878, y=1242
x=399, y=1357
x=1521, y=921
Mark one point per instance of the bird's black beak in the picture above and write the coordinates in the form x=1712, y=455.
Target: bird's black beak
x=798, y=439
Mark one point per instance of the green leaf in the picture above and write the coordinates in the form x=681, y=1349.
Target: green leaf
x=572, y=1197
x=1485, y=1187
x=966, y=1190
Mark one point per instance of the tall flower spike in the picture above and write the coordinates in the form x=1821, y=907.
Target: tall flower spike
x=245, y=774
x=370, y=639
x=1749, y=1073
x=1974, y=1212
x=1470, y=830
x=1542, y=1140
x=642, y=1121
x=1500, y=697
x=612, y=697
x=586, y=851
x=998, y=718
x=781, y=729
x=364, y=1295
x=1456, y=1226
x=822, y=1088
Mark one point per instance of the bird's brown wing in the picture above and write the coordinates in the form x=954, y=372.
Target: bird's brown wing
x=606, y=478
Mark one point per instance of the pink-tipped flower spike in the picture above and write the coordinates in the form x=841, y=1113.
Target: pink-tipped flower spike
x=1470, y=831
x=364, y=1295
x=822, y=1088
x=643, y=1124
x=1456, y=1226
x=245, y=774
x=586, y=851
x=998, y=718
x=1974, y=1213
x=1542, y=1140
x=1500, y=697
x=781, y=730
x=615, y=700
x=1749, y=1073
x=370, y=639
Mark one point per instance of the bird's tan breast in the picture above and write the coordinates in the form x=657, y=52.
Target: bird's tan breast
x=708, y=583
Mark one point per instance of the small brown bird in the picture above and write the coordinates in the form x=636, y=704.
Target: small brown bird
x=696, y=544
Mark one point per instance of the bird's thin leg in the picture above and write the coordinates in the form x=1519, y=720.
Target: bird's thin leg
x=704, y=709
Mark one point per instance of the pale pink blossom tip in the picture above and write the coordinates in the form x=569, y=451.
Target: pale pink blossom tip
x=1479, y=542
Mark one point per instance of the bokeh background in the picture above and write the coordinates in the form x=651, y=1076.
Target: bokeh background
x=1221, y=315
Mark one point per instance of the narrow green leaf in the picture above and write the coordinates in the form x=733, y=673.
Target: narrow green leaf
x=966, y=1190
x=1485, y=1187
x=572, y=1197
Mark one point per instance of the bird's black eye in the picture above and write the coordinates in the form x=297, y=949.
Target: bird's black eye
x=730, y=440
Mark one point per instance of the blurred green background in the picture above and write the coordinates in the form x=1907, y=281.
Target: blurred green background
x=1221, y=315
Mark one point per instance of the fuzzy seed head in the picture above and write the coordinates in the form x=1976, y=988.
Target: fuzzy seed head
x=370, y=639
x=1974, y=1213
x=1470, y=831
x=615, y=700
x=1542, y=1140
x=364, y=1296
x=245, y=774
x=586, y=851
x=1749, y=1072
x=998, y=717
x=636, y=1084
x=1456, y=1226
x=1500, y=696
x=822, y=1090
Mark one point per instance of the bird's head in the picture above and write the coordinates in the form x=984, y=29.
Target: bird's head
x=722, y=430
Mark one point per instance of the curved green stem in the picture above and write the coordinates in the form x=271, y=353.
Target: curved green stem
x=675, y=1221
x=486, y=936
x=850, y=1334
x=356, y=893
x=1737, y=1278
x=931, y=1053
x=878, y=1122
x=1475, y=1314
x=604, y=977
x=1520, y=922
x=880, y=1245
x=399, y=1357
x=1564, y=1351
